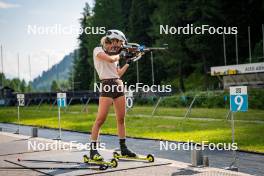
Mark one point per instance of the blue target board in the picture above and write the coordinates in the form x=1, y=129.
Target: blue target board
x=61, y=100
x=238, y=99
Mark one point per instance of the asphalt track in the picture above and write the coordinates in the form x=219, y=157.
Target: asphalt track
x=168, y=162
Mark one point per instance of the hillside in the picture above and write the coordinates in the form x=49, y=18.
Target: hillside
x=59, y=72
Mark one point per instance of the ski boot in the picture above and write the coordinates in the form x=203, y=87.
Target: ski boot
x=129, y=155
x=98, y=160
x=103, y=165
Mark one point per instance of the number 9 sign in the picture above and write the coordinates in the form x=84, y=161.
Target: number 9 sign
x=238, y=99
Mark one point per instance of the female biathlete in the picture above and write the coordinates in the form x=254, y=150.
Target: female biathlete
x=106, y=59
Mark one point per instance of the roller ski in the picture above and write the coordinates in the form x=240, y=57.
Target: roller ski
x=119, y=156
x=96, y=159
x=127, y=154
x=103, y=165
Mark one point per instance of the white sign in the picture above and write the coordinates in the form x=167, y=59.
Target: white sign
x=238, y=90
x=61, y=95
x=61, y=99
x=20, y=96
x=238, y=69
x=238, y=99
x=21, y=99
x=129, y=93
x=129, y=99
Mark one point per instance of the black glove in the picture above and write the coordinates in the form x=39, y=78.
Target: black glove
x=126, y=55
x=128, y=61
x=122, y=55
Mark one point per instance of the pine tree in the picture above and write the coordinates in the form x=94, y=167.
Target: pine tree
x=2, y=79
x=200, y=47
x=107, y=14
x=29, y=87
x=172, y=64
x=83, y=69
x=23, y=86
x=54, y=86
x=139, y=27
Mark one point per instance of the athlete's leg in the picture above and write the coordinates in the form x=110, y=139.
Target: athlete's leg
x=104, y=105
x=120, y=110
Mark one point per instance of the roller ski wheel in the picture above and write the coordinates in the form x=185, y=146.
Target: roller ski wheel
x=103, y=165
x=116, y=155
x=114, y=162
x=150, y=158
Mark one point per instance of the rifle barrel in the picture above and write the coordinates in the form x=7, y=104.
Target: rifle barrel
x=155, y=48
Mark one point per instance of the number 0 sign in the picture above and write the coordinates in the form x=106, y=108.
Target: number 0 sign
x=238, y=99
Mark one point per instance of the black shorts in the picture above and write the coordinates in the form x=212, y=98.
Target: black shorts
x=112, y=88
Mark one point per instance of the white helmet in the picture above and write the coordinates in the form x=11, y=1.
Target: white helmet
x=116, y=34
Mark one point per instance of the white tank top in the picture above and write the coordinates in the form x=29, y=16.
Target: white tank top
x=105, y=70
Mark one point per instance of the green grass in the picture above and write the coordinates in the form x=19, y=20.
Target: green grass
x=213, y=113
x=248, y=134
